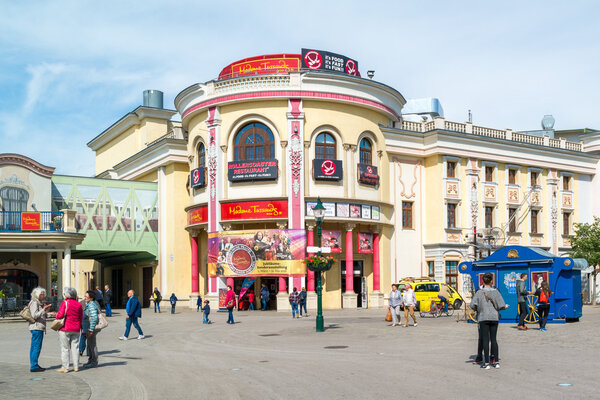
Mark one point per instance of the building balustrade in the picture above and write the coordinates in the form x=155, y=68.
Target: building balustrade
x=31, y=221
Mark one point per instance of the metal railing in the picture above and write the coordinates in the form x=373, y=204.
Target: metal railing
x=12, y=306
x=28, y=221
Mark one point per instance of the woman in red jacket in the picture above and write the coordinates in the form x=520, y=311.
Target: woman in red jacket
x=230, y=301
x=72, y=311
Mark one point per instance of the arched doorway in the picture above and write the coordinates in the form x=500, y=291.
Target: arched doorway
x=17, y=283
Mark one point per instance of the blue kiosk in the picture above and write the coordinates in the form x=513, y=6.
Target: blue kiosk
x=506, y=264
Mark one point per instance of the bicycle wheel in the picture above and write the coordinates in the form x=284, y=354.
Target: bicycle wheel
x=450, y=312
x=422, y=314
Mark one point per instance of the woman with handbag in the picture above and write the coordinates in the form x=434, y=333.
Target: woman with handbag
x=68, y=325
x=90, y=320
x=39, y=312
x=230, y=301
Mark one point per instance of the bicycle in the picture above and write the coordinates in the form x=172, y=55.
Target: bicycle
x=436, y=309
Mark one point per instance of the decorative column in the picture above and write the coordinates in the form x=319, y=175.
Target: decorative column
x=195, y=269
x=48, y=274
x=59, y=274
x=67, y=267
x=376, y=296
x=215, y=184
x=349, y=298
x=553, y=189
x=472, y=178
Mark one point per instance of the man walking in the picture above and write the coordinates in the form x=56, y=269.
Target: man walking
x=294, y=303
x=264, y=297
x=99, y=296
x=133, y=309
x=522, y=293
x=107, y=300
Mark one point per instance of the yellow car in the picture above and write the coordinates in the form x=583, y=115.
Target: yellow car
x=425, y=291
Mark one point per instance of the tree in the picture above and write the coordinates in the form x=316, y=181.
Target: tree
x=586, y=244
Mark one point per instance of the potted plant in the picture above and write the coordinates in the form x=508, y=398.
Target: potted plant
x=319, y=263
x=57, y=222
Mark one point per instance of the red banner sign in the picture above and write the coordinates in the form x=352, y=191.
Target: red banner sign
x=31, y=221
x=267, y=64
x=254, y=210
x=198, y=215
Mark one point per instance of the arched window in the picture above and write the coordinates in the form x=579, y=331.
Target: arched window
x=14, y=198
x=325, y=147
x=254, y=141
x=201, y=156
x=366, y=150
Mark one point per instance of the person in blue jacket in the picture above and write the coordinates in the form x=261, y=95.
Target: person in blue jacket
x=173, y=301
x=198, y=303
x=133, y=309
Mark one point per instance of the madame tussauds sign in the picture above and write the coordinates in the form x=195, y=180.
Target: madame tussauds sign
x=254, y=210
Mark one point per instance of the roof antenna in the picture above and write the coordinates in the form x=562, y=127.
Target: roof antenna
x=470, y=116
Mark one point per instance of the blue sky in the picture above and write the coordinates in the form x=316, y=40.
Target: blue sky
x=69, y=69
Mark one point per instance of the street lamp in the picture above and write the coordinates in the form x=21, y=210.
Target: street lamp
x=319, y=213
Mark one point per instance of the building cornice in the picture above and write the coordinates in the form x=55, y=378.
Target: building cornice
x=161, y=153
x=26, y=162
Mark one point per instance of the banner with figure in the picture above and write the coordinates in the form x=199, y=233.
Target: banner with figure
x=268, y=252
x=245, y=285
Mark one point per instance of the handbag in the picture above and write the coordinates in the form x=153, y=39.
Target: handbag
x=26, y=314
x=230, y=304
x=102, y=322
x=58, y=324
x=388, y=316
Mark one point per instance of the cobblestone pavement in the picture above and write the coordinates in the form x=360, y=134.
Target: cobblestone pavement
x=268, y=355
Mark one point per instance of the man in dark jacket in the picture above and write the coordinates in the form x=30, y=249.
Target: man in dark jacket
x=107, y=300
x=264, y=297
x=522, y=293
x=133, y=309
x=99, y=296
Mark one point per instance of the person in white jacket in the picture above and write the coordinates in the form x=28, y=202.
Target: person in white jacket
x=409, y=302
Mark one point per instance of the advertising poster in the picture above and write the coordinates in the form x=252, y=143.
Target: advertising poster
x=333, y=240
x=343, y=210
x=198, y=215
x=375, y=213
x=329, y=209
x=269, y=252
x=328, y=170
x=327, y=61
x=31, y=221
x=222, y=297
x=365, y=242
x=366, y=212
x=355, y=211
x=537, y=277
x=254, y=210
x=309, y=208
x=197, y=177
x=367, y=174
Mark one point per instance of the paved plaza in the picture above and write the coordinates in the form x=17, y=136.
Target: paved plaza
x=268, y=355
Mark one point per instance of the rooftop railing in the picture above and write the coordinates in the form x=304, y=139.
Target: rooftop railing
x=31, y=221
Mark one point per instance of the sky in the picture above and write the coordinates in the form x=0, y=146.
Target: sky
x=70, y=69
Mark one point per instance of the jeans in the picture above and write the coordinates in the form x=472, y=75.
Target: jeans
x=479, y=344
x=134, y=321
x=92, y=349
x=82, y=344
x=396, y=316
x=543, y=310
x=205, y=318
x=156, y=305
x=251, y=306
x=69, y=342
x=172, y=308
x=294, y=309
x=445, y=301
x=108, y=310
x=522, y=313
x=263, y=301
x=301, y=305
x=230, y=319
x=37, y=337
x=488, y=331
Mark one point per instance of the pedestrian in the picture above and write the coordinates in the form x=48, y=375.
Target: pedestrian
x=39, y=312
x=230, y=302
x=487, y=302
x=264, y=297
x=206, y=312
x=156, y=296
x=250, y=299
x=444, y=296
x=543, y=294
x=293, y=298
x=133, y=309
x=98, y=296
x=173, y=301
x=71, y=310
x=522, y=293
x=90, y=320
x=107, y=301
x=198, y=303
x=302, y=302
x=83, y=334
x=409, y=302
x=395, y=303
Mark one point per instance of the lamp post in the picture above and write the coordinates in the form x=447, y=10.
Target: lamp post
x=319, y=213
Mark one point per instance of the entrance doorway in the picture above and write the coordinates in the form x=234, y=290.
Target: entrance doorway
x=117, y=283
x=146, y=286
x=272, y=285
x=357, y=267
x=17, y=283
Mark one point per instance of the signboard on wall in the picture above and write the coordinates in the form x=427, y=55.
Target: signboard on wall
x=332, y=240
x=269, y=252
x=328, y=170
x=31, y=221
x=367, y=174
x=365, y=242
x=197, y=215
x=320, y=60
x=239, y=171
x=254, y=210
x=197, y=178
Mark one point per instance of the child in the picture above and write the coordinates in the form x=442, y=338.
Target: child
x=173, y=302
x=206, y=311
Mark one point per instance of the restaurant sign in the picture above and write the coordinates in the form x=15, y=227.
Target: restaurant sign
x=198, y=215
x=325, y=61
x=197, y=177
x=239, y=171
x=254, y=210
x=328, y=170
x=367, y=174
x=31, y=221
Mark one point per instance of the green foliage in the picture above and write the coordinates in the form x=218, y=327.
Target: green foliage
x=586, y=242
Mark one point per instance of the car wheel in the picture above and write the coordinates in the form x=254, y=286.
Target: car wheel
x=457, y=304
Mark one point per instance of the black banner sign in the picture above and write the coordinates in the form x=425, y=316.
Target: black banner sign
x=252, y=170
x=367, y=174
x=326, y=61
x=328, y=170
x=197, y=177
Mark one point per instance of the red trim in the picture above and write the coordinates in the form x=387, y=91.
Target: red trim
x=290, y=93
x=195, y=280
x=295, y=106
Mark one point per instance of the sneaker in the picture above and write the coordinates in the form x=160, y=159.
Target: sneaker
x=415, y=324
x=394, y=324
x=123, y=338
x=497, y=365
x=80, y=353
x=90, y=365
x=38, y=369
x=141, y=337
x=485, y=366
x=477, y=361
x=64, y=370
x=75, y=369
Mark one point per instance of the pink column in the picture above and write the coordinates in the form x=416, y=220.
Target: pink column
x=282, y=285
x=230, y=282
x=376, y=261
x=310, y=275
x=349, y=262
x=195, y=280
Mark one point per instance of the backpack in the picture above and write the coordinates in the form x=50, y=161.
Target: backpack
x=544, y=296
